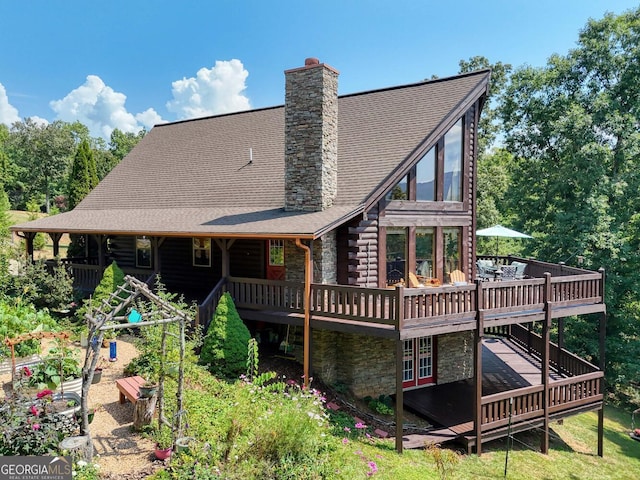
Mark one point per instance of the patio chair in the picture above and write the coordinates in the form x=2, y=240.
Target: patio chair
x=457, y=277
x=414, y=282
x=508, y=272
x=486, y=269
x=520, y=268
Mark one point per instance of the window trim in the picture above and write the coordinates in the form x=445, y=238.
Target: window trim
x=139, y=249
x=195, y=249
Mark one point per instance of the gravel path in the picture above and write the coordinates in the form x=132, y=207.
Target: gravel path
x=119, y=450
x=121, y=453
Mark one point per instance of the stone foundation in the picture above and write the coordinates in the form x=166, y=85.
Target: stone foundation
x=455, y=357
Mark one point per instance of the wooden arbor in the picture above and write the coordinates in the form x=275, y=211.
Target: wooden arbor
x=109, y=316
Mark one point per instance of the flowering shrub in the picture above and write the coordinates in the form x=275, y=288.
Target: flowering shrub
x=31, y=427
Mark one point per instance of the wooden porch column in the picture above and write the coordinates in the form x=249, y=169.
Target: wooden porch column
x=55, y=238
x=477, y=377
x=29, y=237
x=601, y=364
x=225, y=245
x=546, y=327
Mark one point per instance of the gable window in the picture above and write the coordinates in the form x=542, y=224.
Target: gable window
x=399, y=192
x=453, y=164
x=276, y=253
x=426, y=177
x=143, y=252
x=201, y=252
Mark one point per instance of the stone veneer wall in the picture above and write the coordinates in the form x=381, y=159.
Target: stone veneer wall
x=365, y=364
x=455, y=357
x=311, y=137
x=324, y=260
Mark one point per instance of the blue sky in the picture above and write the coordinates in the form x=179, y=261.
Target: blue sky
x=133, y=63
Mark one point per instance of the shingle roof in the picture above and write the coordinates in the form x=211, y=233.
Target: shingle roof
x=181, y=175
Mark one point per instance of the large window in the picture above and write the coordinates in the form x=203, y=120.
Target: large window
x=396, y=255
x=201, y=252
x=424, y=252
x=452, y=251
x=143, y=252
x=426, y=177
x=453, y=164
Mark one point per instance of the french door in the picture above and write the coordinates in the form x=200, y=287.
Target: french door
x=417, y=362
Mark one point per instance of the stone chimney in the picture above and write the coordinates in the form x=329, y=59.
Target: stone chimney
x=311, y=137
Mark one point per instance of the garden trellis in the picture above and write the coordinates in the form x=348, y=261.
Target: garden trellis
x=110, y=315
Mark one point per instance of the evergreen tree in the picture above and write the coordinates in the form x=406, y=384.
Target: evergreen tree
x=225, y=346
x=83, y=175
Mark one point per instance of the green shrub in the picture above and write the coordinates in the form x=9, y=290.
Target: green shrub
x=17, y=318
x=112, y=278
x=44, y=288
x=225, y=346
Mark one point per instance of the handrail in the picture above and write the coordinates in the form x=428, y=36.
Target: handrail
x=204, y=312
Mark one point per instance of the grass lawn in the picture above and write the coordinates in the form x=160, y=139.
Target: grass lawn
x=572, y=455
x=20, y=216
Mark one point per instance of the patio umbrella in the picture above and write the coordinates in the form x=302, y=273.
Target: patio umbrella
x=500, y=231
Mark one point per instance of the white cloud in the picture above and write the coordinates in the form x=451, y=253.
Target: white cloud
x=213, y=91
x=100, y=108
x=8, y=113
x=149, y=118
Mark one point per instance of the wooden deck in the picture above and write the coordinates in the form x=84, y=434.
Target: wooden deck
x=506, y=368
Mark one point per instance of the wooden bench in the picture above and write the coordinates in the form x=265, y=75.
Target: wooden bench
x=129, y=388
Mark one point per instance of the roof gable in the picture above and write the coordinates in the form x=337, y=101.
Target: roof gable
x=238, y=159
x=184, y=178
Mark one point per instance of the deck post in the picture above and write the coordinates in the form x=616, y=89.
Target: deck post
x=601, y=364
x=477, y=379
x=546, y=327
x=399, y=395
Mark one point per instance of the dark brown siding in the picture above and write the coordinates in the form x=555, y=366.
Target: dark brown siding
x=247, y=259
x=176, y=263
x=178, y=273
x=123, y=250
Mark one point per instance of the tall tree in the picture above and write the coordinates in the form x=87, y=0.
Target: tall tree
x=121, y=143
x=574, y=128
x=493, y=160
x=83, y=177
x=43, y=152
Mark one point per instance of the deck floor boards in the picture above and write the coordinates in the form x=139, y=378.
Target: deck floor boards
x=450, y=405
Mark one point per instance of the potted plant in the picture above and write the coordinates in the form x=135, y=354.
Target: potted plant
x=163, y=437
x=148, y=388
x=108, y=337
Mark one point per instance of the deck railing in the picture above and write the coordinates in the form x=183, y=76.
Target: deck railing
x=87, y=277
x=527, y=404
x=403, y=307
x=564, y=362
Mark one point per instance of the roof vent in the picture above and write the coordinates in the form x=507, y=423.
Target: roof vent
x=309, y=62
